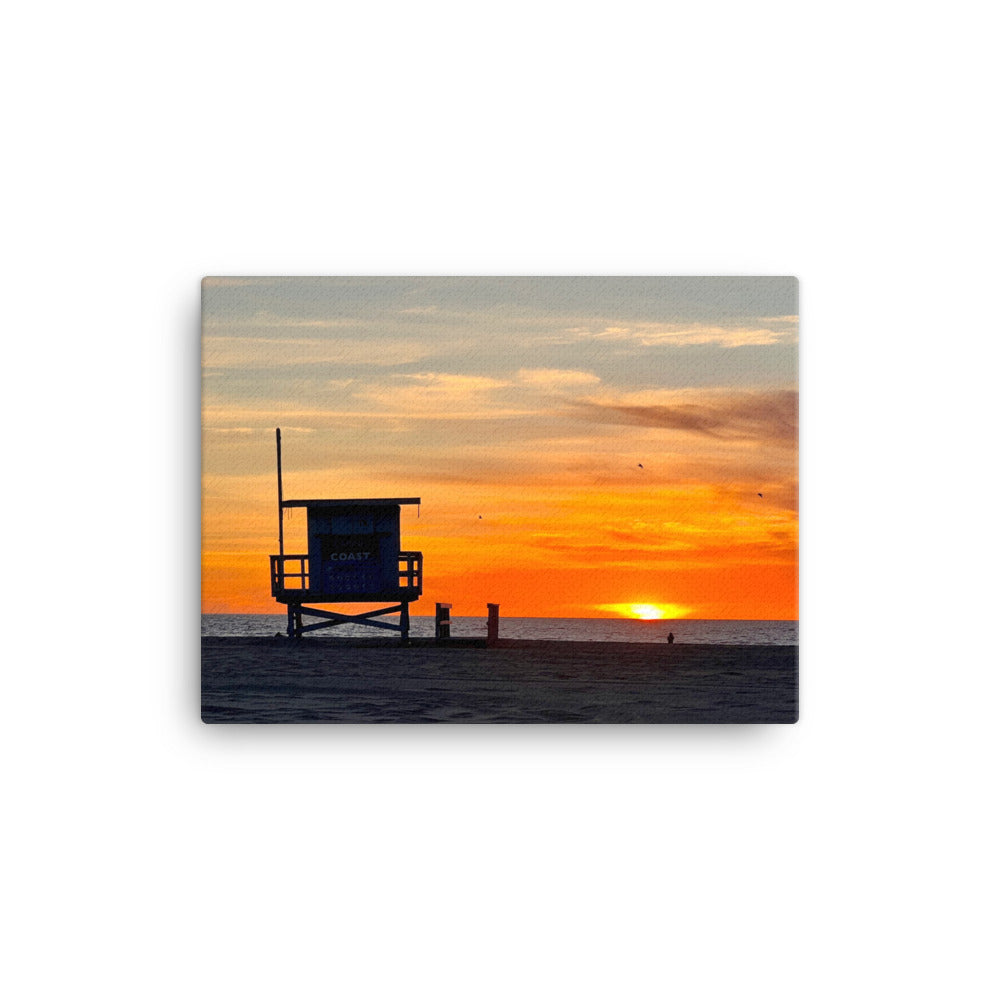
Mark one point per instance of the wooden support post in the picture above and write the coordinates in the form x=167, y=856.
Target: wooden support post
x=404, y=621
x=492, y=622
x=442, y=621
x=291, y=622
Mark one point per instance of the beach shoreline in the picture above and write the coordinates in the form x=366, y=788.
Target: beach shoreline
x=381, y=680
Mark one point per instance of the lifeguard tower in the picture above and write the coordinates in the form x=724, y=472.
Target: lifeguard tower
x=353, y=557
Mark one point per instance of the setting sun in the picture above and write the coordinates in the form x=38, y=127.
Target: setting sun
x=648, y=612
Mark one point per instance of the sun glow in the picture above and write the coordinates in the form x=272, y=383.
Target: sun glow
x=647, y=612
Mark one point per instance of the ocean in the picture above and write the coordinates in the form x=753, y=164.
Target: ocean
x=685, y=630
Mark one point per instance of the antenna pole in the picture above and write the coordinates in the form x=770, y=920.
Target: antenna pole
x=281, y=510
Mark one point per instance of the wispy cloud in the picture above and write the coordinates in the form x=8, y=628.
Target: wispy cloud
x=768, y=415
x=556, y=378
x=255, y=353
x=779, y=330
x=440, y=396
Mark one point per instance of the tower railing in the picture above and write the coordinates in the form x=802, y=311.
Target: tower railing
x=291, y=572
x=284, y=577
x=411, y=570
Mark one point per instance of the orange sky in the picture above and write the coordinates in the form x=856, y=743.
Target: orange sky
x=580, y=446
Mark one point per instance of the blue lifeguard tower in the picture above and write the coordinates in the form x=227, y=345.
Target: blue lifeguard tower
x=353, y=556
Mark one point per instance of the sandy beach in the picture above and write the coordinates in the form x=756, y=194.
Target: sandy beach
x=273, y=680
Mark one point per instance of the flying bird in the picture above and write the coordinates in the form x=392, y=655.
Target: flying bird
x=641, y=466
x=761, y=495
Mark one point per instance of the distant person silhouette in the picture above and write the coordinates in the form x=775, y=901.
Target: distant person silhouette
x=670, y=637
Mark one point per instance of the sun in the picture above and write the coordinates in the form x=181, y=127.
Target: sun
x=647, y=612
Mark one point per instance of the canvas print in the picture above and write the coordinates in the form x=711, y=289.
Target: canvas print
x=500, y=500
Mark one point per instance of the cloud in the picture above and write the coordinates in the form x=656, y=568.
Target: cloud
x=768, y=415
x=556, y=378
x=438, y=395
x=256, y=353
x=779, y=329
x=446, y=382
x=449, y=396
x=270, y=320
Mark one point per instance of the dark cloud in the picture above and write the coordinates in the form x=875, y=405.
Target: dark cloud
x=771, y=416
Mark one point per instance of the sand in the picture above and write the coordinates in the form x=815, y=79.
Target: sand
x=274, y=680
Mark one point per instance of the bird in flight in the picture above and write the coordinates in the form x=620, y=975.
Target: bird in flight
x=641, y=466
x=761, y=495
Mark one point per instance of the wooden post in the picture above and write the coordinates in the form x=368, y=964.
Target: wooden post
x=442, y=621
x=404, y=622
x=492, y=622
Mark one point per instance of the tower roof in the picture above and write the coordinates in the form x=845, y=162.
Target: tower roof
x=374, y=502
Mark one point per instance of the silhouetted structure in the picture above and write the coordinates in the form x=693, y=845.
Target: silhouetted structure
x=442, y=621
x=353, y=556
